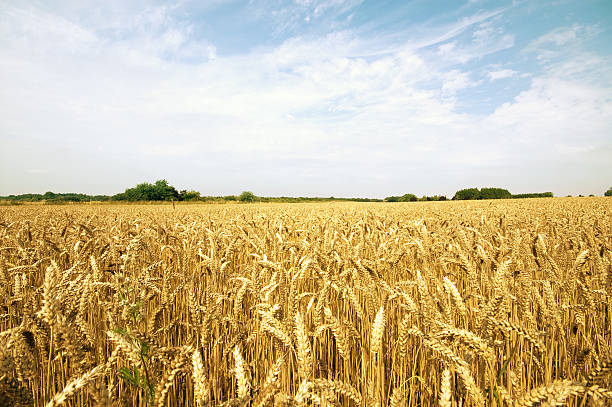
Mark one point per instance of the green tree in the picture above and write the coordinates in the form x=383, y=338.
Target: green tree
x=608, y=192
x=494, y=193
x=247, y=196
x=408, y=198
x=49, y=195
x=403, y=198
x=165, y=192
x=534, y=195
x=189, y=195
x=160, y=191
x=468, y=193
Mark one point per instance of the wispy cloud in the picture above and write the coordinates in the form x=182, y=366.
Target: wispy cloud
x=290, y=18
x=455, y=80
x=442, y=33
x=560, y=41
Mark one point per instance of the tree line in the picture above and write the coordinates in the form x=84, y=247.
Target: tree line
x=52, y=197
x=414, y=198
x=161, y=190
x=495, y=193
x=470, y=194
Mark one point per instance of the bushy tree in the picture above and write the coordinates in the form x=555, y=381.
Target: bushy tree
x=165, y=192
x=433, y=198
x=403, y=198
x=189, y=196
x=160, y=191
x=465, y=194
x=494, y=193
x=247, y=196
x=608, y=192
x=534, y=195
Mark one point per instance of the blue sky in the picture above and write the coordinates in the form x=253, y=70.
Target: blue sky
x=306, y=97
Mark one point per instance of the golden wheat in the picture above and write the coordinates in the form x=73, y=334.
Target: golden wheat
x=419, y=304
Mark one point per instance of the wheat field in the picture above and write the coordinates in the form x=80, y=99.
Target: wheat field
x=418, y=304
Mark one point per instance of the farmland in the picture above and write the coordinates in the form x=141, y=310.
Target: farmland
x=354, y=304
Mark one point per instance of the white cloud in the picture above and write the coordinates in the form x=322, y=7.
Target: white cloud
x=447, y=48
x=502, y=74
x=235, y=103
x=558, y=37
x=488, y=37
x=558, y=116
x=481, y=48
x=455, y=81
x=560, y=41
x=290, y=17
x=486, y=31
x=424, y=35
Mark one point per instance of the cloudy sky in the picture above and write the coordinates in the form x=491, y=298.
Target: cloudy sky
x=306, y=97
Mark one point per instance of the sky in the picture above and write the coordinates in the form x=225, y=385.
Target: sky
x=346, y=98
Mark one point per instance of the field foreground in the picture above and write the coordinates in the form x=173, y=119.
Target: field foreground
x=451, y=303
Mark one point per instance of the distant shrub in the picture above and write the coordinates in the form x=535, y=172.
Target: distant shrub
x=432, y=198
x=494, y=193
x=534, y=195
x=189, y=196
x=159, y=191
x=247, y=196
x=466, y=194
x=608, y=192
x=403, y=198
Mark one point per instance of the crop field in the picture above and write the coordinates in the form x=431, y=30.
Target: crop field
x=480, y=303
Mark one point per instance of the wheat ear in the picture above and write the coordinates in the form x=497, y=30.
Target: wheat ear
x=378, y=330
x=74, y=385
x=242, y=381
x=445, y=389
x=200, y=390
x=553, y=394
x=303, y=347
